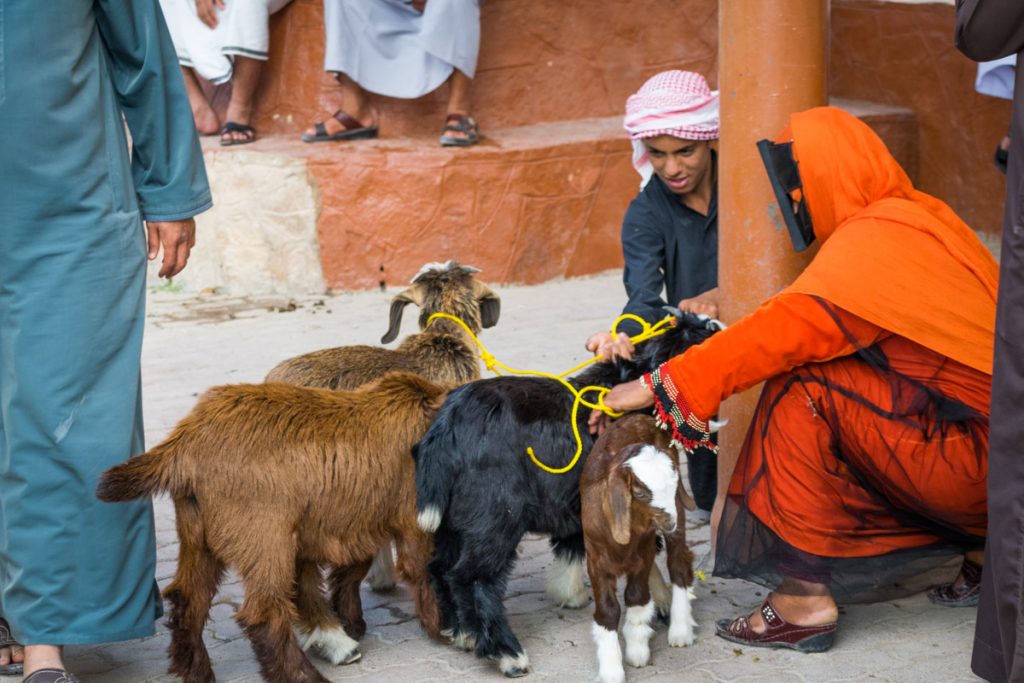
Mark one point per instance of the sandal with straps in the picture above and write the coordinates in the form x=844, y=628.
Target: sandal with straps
x=51, y=676
x=965, y=593
x=459, y=123
x=248, y=134
x=352, y=129
x=7, y=640
x=779, y=632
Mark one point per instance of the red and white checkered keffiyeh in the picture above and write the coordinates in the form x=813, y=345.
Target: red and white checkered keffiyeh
x=676, y=103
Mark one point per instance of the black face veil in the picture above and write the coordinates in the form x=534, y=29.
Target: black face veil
x=784, y=175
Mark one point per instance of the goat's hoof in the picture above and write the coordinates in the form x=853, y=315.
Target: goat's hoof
x=612, y=676
x=333, y=644
x=638, y=656
x=576, y=601
x=514, y=667
x=681, y=637
x=464, y=641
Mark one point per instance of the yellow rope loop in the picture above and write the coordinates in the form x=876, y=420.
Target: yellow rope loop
x=648, y=331
x=492, y=363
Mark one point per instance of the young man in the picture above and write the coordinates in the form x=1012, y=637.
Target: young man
x=670, y=232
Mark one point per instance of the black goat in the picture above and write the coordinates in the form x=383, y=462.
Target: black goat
x=478, y=489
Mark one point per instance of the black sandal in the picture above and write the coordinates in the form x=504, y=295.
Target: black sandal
x=52, y=676
x=231, y=127
x=460, y=123
x=7, y=640
x=352, y=129
x=960, y=593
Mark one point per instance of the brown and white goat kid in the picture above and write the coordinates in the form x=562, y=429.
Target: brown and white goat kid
x=441, y=353
x=631, y=491
x=268, y=477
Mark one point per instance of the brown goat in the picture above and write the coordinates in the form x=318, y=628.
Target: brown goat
x=630, y=491
x=268, y=478
x=442, y=353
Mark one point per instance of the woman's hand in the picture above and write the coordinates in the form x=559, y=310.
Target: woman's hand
x=622, y=398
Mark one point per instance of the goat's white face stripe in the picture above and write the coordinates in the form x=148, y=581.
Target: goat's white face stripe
x=654, y=469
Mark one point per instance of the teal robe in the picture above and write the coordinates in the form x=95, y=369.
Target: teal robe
x=74, y=570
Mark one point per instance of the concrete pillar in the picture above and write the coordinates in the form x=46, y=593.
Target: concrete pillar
x=772, y=62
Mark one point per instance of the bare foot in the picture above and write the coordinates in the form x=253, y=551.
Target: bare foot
x=12, y=654
x=802, y=610
x=206, y=119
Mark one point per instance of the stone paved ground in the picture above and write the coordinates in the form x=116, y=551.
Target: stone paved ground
x=193, y=342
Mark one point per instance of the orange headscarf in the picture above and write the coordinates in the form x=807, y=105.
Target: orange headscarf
x=890, y=254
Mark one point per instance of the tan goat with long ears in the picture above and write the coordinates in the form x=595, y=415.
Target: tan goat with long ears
x=268, y=477
x=441, y=352
x=631, y=491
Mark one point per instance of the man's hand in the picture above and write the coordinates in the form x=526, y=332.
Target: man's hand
x=609, y=347
x=177, y=239
x=622, y=398
x=419, y=5
x=206, y=12
x=702, y=304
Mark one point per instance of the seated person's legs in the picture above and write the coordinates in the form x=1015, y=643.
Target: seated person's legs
x=460, y=129
x=206, y=119
x=244, y=81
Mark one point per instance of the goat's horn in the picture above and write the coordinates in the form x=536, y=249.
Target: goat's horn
x=470, y=269
x=673, y=311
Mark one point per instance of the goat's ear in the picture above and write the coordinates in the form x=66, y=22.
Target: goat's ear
x=412, y=295
x=490, y=304
x=616, y=505
x=663, y=441
x=683, y=499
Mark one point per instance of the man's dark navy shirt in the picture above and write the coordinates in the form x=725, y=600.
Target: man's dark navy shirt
x=668, y=247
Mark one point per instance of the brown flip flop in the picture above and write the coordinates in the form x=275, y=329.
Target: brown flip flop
x=352, y=130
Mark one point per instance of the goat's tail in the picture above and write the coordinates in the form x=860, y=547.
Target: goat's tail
x=435, y=457
x=152, y=472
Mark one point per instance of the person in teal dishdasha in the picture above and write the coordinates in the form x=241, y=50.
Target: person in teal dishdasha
x=78, y=218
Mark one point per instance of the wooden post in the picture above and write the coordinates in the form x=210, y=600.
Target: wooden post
x=772, y=63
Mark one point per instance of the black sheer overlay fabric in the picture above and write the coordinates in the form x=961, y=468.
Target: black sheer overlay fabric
x=861, y=473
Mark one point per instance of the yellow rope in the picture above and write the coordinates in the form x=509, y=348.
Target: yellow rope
x=493, y=364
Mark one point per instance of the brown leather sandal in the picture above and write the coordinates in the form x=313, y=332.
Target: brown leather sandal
x=779, y=632
x=966, y=594
x=460, y=123
x=7, y=640
x=352, y=129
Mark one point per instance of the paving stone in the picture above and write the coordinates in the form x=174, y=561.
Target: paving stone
x=195, y=342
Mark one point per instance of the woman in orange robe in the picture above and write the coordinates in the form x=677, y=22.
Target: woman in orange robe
x=866, y=460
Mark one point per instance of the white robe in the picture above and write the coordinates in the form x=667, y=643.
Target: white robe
x=242, y=29
x=389, y=48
